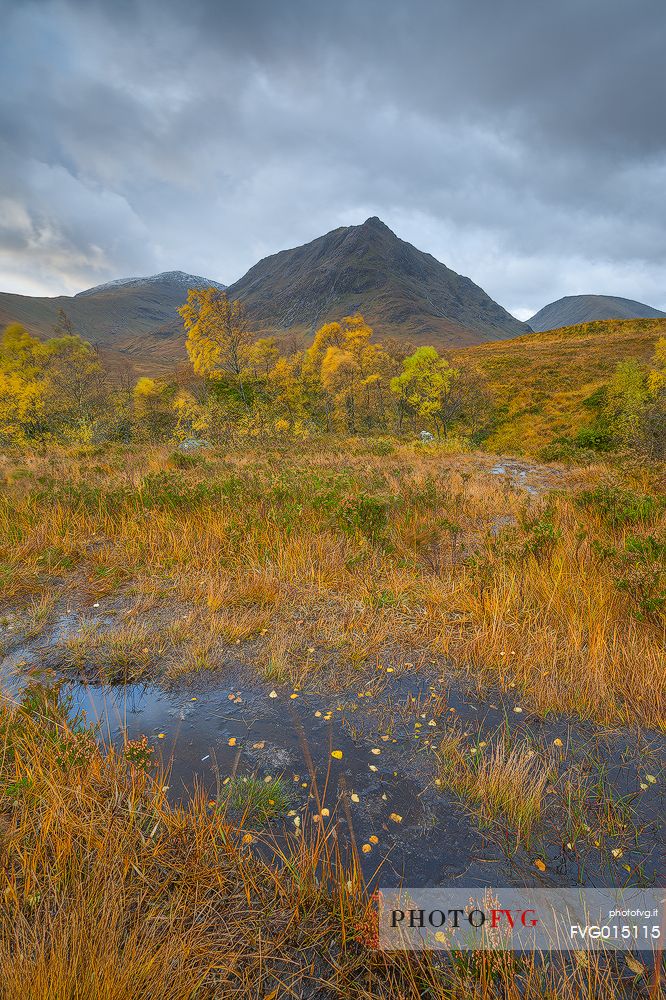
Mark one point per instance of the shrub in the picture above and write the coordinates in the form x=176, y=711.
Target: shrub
x=619, y=507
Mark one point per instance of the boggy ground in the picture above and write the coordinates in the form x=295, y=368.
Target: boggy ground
x=328, y=557
x=382, y=586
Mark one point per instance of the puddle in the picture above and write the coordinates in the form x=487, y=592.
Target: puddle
x=436, y=841
x=533, y=479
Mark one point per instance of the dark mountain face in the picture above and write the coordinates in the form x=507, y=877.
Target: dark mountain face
x=400, y=290
x=135, y=317
x=573, y=309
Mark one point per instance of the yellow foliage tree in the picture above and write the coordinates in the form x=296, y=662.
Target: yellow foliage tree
x=218, y=336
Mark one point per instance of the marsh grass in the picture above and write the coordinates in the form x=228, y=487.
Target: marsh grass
x=255, y=800
x=503, y=780
x=362, y=557
x=109, y=891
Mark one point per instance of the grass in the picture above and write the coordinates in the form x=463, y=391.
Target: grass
x=109, y=891
x=505, y=781
x=540, y=382
x=326, y=558
x=255, y=800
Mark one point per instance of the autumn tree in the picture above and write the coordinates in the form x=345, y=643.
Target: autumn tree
x=78, y=393
x=23, y=387
x=155, y=416
x=428, y=387
x=353, y=372
x=218, y=337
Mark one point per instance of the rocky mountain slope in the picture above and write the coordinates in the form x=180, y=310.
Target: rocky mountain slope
x=400, y=290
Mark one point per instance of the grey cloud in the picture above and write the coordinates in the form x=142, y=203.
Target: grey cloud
x=522, y=143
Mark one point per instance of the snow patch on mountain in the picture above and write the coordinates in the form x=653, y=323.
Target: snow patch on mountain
x=174, y=278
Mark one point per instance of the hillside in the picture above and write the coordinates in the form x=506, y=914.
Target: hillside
x=400, y=290
x=541, y=381
x=589, y=308
x=132, y=317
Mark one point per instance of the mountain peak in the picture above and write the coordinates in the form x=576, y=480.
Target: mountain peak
x=175, y=279
x=374, y=222
x=367, y=268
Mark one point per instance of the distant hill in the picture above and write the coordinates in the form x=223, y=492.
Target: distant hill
x=400, y=290
x=540, y=382
x=136, y=317
x=589, y=308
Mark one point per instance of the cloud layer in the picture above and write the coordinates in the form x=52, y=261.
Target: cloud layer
x=521, y=143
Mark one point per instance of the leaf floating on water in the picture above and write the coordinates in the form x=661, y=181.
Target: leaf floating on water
x=517, y=709
x=540, y=865
x=318, y=714
x=373, y=839
x=366, y=848
x=337, y=754
x=161, y=736
x=617, y=852
x=232, y=741
x=294, y=695
x=354, y=797
x=396, y=817
x=643, y=785
x=558, y=742
x=273, y=694
x=651, y=778
x=259, y=746
x=373, y=767
x=376, y=751
x=325, y=812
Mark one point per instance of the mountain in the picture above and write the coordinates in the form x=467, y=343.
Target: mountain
x=166, y=279
x=134, y=317
x=400, y=290
x=588, y=308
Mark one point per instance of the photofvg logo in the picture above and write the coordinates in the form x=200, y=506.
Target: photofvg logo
x=511, y=919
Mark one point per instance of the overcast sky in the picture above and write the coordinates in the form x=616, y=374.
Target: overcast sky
x=522, y=142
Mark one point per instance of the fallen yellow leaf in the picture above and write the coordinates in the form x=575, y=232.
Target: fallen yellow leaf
x=354, y=797
x=396, y=817
x=373, y=839
x=366, y=848
x=558, y=742
x=337, y=754
x=540, y=865
x=232, y=741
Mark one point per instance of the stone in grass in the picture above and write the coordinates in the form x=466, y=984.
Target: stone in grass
x=426, y=437
x=193, y=444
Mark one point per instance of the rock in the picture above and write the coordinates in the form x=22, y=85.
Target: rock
x=193, y=444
